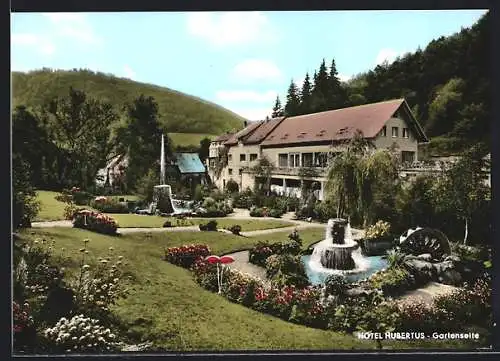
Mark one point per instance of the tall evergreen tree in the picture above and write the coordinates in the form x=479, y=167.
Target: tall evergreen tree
x=320, y=89
x=336, y=97
x=305, y=96
x=292, y=100
x=278, y=108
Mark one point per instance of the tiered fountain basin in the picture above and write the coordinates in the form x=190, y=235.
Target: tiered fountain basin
x=340, y=254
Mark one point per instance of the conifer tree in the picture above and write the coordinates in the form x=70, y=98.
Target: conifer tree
x=292, y=100
x=305, y=96
x=277, y=109
x=336, y=97
x=320, y=90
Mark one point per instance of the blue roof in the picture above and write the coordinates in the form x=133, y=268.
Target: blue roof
x=189, y=163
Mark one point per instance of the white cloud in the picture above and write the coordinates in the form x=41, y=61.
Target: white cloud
x=230, y=28
x=256, y=70
x=344, y=77
x=245, y=95
x=41, y=43
x=129, y=73
x=387, y=55
x=253, y=113
x=74, y=26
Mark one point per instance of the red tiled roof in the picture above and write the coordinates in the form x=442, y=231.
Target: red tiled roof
x=223, y=137
x=261, y=132
x=339, y=124
x=235, y=138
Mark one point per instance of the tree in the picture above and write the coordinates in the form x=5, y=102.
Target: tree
x=24, y=201
x=140, y=138
x=30, y=142
x=320, y=90
x=278, y=108
x=264, y=169
x=445, y=107
x=78, y=128
x=204, y=149
x=305, y=96
x=292, y=101
x=336, y=96
x=462, y=188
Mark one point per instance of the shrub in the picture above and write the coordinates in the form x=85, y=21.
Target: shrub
x=393, y=281
x=23, y=327
x=186, y=256
x=95, y=221
x=243, y=199
x=231, y=186
x=215, y=208
x=64, y=197
x=379, y=230
x=205, y=274
x=259, y=253
x=258, y=212
x=286, y=270
x=81, y=198
x=109, y=205
x=395, y=258
x=275, y=213
x=210, y=226
x=335, y=285
x=70, y=210
x=235, y=229
x=80, y=334
x=325, y=210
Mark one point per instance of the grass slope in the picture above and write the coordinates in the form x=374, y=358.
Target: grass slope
x=167, y=307
x=179, y=112
x=188, y=139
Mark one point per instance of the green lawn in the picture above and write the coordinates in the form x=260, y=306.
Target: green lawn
x=50, y=208
x=143, y=221
x=167, y=307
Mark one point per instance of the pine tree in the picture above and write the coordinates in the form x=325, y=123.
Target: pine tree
x=336, y=97
x=305, y=96
x=277, y=109
x=292, y=100
x=320, y=89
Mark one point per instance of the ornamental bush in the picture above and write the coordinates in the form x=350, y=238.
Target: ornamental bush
x=379, y=230
x=235, y=229
x=186, y=256
x=209, y=226
x=262, y=250
x=393, y=281
x=258, y=212
x=286, y=270
x=109, y=205
x=95, y=221
x=80, y=334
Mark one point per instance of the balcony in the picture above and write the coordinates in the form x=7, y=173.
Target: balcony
x=306, y=172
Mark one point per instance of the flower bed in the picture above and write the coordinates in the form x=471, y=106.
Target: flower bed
x=95, y=221
x=259, y=254
x=186, y=256
x=109, y=205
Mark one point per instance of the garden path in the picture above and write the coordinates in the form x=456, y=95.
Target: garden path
x=428, y=293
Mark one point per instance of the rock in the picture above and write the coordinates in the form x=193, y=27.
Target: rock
x=425, y=257
x=419, y=265
x=358, y=291
x=443, y=266
x=452, y=258
x=451, y=277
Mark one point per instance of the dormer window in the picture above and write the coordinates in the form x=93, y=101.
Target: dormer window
x=406, y=133
x=395, y=132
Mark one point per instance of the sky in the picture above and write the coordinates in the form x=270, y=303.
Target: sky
x=239, y=60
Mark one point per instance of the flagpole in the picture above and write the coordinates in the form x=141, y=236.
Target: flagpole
x=162, y=160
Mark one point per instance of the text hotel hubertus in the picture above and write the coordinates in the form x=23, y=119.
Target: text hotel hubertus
x=416, y=336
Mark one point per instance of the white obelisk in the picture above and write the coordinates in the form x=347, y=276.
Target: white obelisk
x=162, y=160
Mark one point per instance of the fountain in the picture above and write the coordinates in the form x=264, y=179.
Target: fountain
x=340, y=254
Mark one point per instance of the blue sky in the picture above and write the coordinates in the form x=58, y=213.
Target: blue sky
x=238, y=60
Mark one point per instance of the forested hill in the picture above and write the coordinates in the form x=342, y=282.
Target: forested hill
x=179, y=112
x=447, y=85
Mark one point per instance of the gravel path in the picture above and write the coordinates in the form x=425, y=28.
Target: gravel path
x=241, y=264
x=428, y=293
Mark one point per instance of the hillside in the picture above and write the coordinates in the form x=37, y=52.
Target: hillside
x=180, y=113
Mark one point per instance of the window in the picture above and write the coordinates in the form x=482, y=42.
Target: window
x=295, y=160
x=320, y=159
x=406, y=133
x=307, y=159
x=243, y=157
x=253, y=157
x=383, y=132
x=211, y=163
x=407, y=157
x=395, y=132
x=240, y=172
x=230, y=157
x=230, y=171
x=283, y=160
